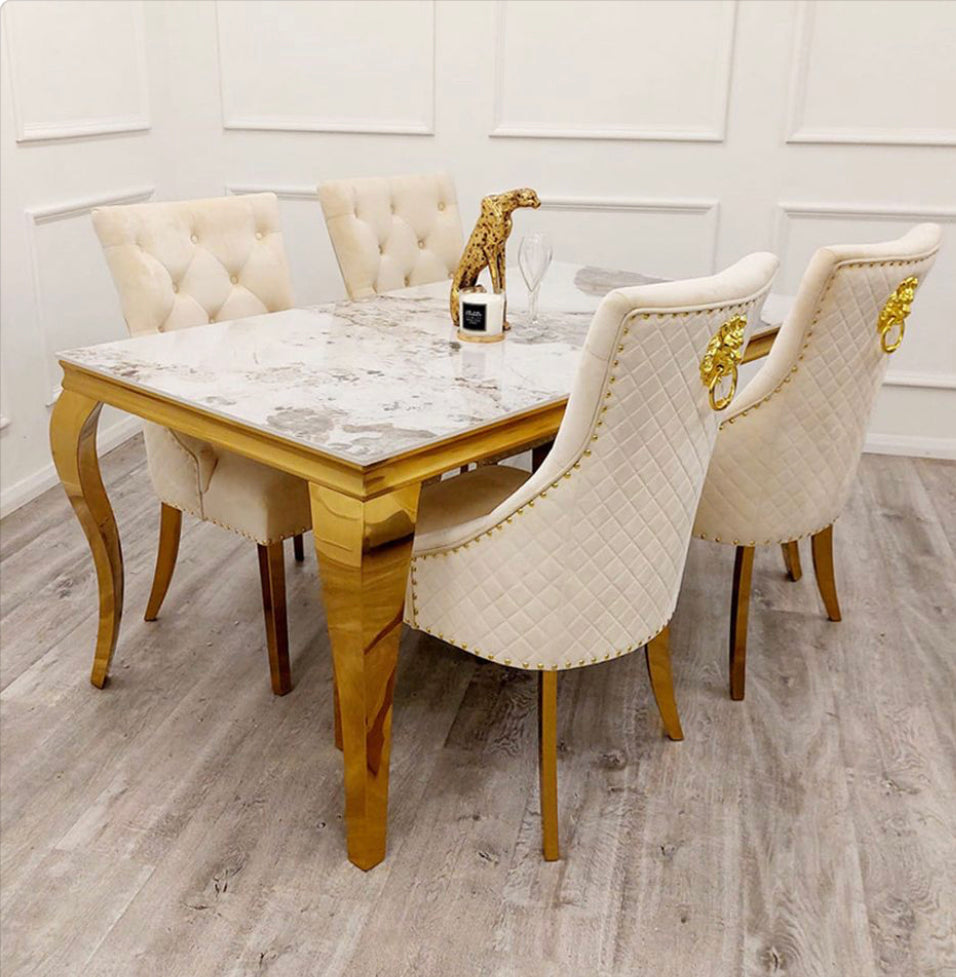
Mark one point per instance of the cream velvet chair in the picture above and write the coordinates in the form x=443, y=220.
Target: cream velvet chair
x=581, y=562
x=391, y=232
x=789, y=447
x=177, y=265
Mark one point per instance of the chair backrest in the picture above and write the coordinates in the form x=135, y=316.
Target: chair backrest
x=182, y=264
x=789, y=448
x=391, y=232
x=592, y=567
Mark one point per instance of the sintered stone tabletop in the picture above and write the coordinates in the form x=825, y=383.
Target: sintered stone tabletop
x=365, y=381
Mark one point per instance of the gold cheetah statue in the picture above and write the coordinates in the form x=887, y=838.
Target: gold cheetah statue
x=486, y=246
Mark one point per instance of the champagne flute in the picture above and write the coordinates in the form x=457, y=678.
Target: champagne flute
x=534, y=258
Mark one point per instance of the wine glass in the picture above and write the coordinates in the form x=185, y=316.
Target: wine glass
x=534, y=258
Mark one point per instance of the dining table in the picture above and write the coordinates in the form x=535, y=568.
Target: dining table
x=365, y=401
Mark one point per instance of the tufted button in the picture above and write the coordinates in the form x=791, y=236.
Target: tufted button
x=441, y=204
x=175, y=288
x=212, y=318
x=392, y=208
x=234, y=279
x=407, y=280
x=421, y=244
x=194, y=238
x=381, y=249
x=258, y=235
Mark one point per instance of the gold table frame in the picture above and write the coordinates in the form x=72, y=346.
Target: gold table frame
x=364, y=525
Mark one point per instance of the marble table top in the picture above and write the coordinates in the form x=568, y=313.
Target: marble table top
x=366, y=381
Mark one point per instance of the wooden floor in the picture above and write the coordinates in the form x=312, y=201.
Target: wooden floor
x=186, y=822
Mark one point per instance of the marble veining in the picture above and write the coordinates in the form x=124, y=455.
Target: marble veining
x=365, y=381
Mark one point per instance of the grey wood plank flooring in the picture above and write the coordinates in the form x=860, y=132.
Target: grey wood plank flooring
x=186, y=822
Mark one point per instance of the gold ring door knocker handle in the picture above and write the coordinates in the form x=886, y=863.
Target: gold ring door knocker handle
x=894, y=313
x=724, y=353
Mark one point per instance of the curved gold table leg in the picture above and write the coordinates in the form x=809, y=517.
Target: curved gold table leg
x=822, y=548
x=73, y=443
x=657, y=652
x=791, y=559
x=364, y=549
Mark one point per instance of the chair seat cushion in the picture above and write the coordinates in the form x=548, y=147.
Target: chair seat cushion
x=454, y=501
x=262, y=503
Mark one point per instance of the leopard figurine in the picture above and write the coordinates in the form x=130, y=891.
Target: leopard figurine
x=486, y=246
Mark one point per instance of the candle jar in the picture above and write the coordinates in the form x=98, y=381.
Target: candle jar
x=481, y=316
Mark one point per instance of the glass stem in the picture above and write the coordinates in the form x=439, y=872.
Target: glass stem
x=533, y=304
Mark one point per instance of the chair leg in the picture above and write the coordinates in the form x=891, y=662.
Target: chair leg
x=338, y=715
x=298, y=548
x=170, y=526
x=272, y=577
x=548, y=762
x=657, y=652
x=822, y=548
x=791, y=559
x=539, y=454
x=739, y=613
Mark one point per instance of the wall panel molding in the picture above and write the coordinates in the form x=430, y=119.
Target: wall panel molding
x=40, y=131
x=233, y=118
x=706, y=208
x=799, y=132
x=790, y=211
x=283, y=191
x=51, y=213
x=716, y=132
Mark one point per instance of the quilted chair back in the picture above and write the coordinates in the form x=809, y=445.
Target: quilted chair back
x=177, y=265
x=389, y=233
x=791, y=443
x=584, y=561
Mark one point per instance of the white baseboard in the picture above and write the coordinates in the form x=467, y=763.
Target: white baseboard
x=27, y=489
x=913, y=445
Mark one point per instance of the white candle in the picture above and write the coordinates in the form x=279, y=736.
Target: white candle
x=481, y=316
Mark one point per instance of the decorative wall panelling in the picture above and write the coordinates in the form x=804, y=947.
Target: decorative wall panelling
x=550, y=66
x=669, y=237
x=54, y=94
x=357, y=67
x=891, y=89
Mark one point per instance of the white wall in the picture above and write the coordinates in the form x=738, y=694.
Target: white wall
x=666, y=137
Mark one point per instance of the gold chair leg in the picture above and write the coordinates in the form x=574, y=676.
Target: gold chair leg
x=548, y=762
x=791, y=559
x=739, y=614
x=272, y=577
x=657, y=652
x=170, y=527
x=73, y=444
x=298, y=548
x=822, y=548
x=338, y=715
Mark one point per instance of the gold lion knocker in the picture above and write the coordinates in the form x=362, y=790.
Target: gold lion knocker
x=724, y=353
x=894, y=314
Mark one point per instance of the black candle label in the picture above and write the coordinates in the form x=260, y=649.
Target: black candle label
x=474, y=318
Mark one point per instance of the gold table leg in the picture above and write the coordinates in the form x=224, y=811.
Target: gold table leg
x=364, y=550
x=822, y=549
x=73, y=444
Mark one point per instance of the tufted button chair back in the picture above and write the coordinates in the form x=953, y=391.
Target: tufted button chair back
x=589, y=553
x=182, y=264
x=177, y=265
x=789, y=448
x=392, y=232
